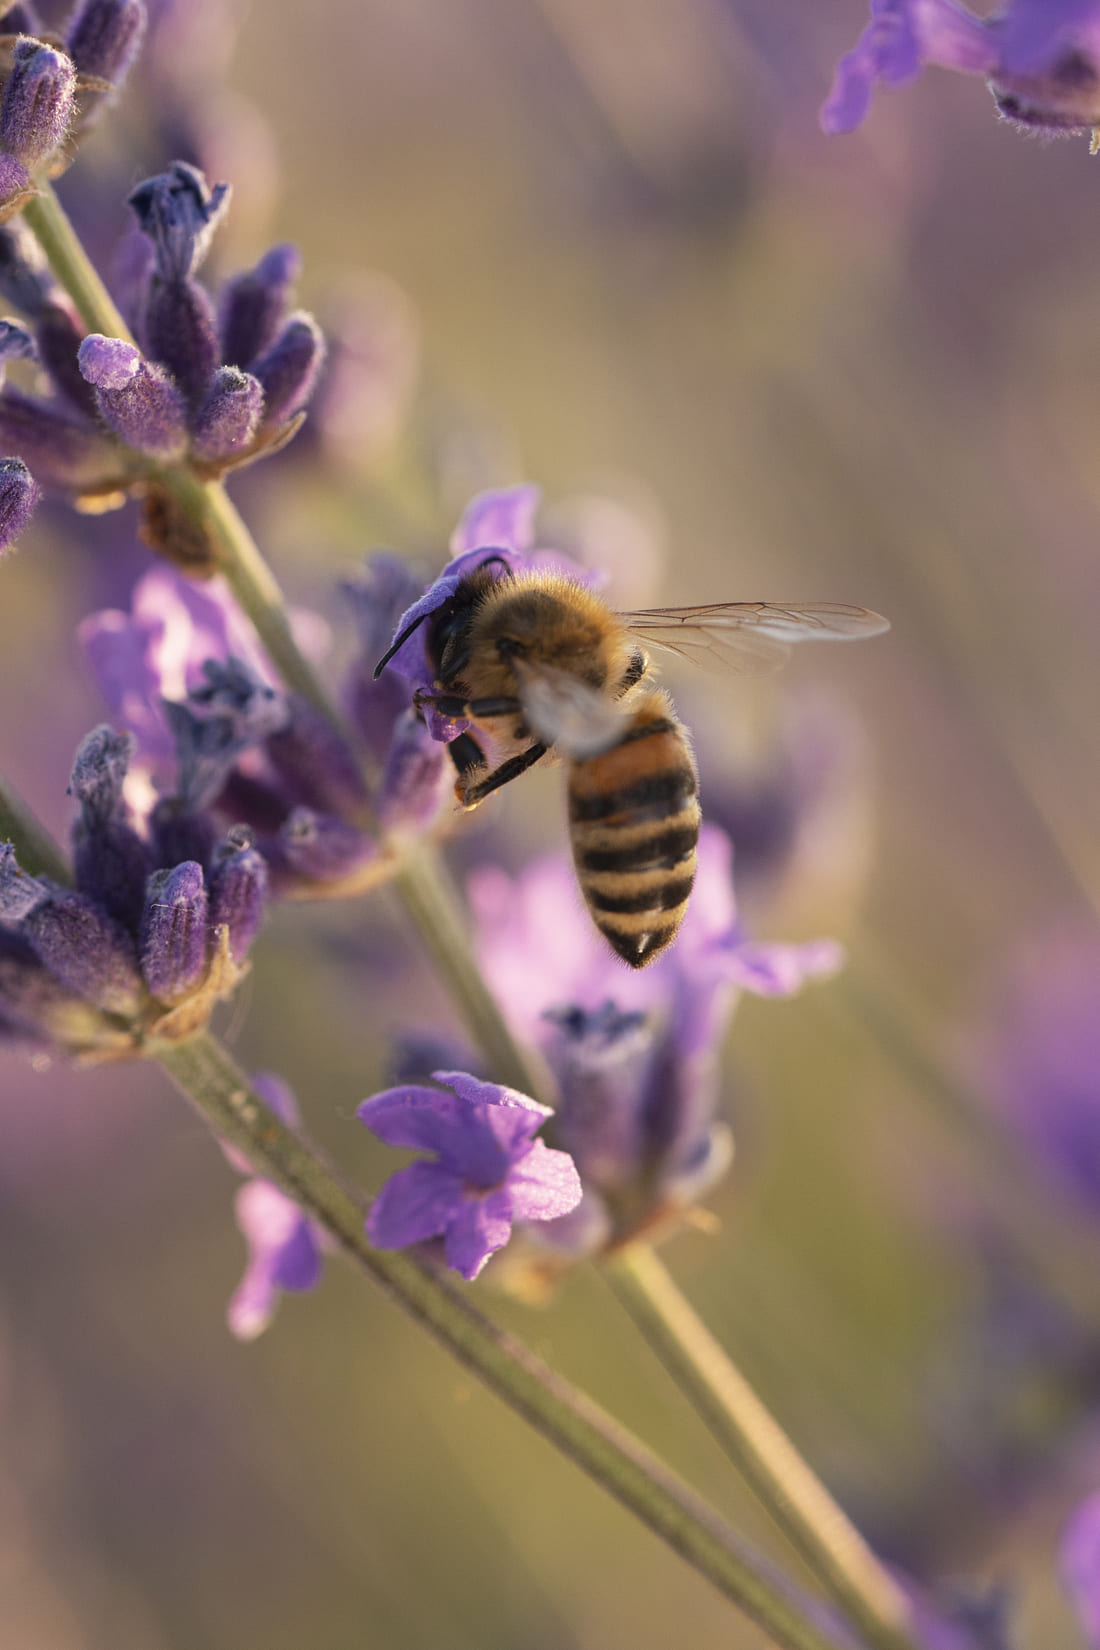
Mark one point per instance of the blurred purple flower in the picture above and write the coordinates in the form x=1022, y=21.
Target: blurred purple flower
x=1041, y=58
x=285, y=1248
x=488, y=1170
x=1079, y=1560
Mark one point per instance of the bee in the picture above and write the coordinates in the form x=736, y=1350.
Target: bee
x=540, y=664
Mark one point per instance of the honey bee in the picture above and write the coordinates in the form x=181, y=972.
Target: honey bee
x=539, y=664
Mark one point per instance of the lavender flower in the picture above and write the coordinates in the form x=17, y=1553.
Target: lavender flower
x=284, y=1246
x=635, y=1055
x=489, y=1170
x=1040, y=57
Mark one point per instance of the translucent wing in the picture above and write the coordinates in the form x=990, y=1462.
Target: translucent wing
x=749, y=638
x=566, y=712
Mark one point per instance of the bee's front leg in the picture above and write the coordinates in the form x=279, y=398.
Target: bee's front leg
x=470, y=789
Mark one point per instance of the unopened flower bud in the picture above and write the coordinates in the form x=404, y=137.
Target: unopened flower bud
x=173, y=932
x=253, y=305
x=111, y=861
x=103, y=37
x=22, y=18
x=34, y=1002
x=86, y=950
x=37, y=104
x=416, y=777
x=179, y=212
x=19, y=891
x=58, y=334
x=317, y=848
x=16, y=187
x=178, y=832
x=25, y=278
x=288, y=370
x=315, y=764
x=238, y=891
x=136, y=398
x=62, y=452
x=179, y=330
x=19, y=493
x=229, y=415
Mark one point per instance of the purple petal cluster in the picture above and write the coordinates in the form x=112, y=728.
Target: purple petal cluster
x=1040, y=57
x=635, y=1055
x=212, y=389
x=285, y=1247
x=488, y=1169
x=142, y=944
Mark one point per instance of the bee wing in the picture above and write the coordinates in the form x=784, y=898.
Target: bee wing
x=749, y=638
x=564, y=711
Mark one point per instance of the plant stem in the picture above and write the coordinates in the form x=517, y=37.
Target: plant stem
x=800, y=1504
x=204, y=1072
x=35, y=848
x=48, y=221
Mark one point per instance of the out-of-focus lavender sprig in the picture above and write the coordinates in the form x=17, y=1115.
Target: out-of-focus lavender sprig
x=1040, y=57
x=145, y=944
x=202, y=389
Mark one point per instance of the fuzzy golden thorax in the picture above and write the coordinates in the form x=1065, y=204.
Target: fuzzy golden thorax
x=549, y=620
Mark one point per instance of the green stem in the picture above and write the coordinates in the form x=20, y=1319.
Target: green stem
x=35, y=848
x=204, y=1072
x=800, y=1504
x=48, y=221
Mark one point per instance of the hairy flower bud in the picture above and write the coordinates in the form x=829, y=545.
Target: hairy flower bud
x=62, y=451
x=19, y=493
x=173, y=932
x=179, y=330
x=25, y=277
x=103, y=37
x=253, y=305
x=179, y=212
x=19, y=891
x=111, y=861
x=238, y=891
x=86, y=950
x=58, y=334
x=288, y=370
x=37, y=104
x=416, y=778
x=315, y=764
x=314, y=847
x=136, y=398
x=229, y=415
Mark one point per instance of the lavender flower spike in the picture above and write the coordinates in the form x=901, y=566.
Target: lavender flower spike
x=489, y=1169
x=19, y=493
x=38, y=102
x=103, y=37
x=136, y=398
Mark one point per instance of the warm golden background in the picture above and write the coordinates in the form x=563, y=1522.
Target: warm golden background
x=862, y=369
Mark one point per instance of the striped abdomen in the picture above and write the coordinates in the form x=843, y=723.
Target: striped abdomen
x=634, y=823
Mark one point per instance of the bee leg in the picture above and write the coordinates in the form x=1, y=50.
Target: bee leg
x=633, y=673
x=466, y=753
x=470, y=795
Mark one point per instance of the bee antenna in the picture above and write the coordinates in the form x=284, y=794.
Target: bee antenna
x=398, y=644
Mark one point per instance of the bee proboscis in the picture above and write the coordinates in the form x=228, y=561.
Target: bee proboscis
x=538, y=663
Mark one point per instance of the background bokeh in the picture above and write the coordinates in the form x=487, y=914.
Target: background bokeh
x=606, y=248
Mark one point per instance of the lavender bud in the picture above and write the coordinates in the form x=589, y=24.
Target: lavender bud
x=179, y=212
x=316, y=848
x=58, y=334
x=238, y=891
x=16, y=344
x=21, y=19
x=111, y=861
x=173, y=932
x=33, y=1001
x=179, y=330
x=288, y=370
x=19, y=493
x=16, y=187
x=86, y=950
x=137, y=399
x=253, y=305
x=37, y=104
x=19, y=891
x=315, y=764
x=180, y=833
x=228, y=417
x=103, y=37
x=415, y=780
x=62, y=452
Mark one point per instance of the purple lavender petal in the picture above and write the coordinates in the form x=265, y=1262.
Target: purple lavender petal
x=427, y=1120
x=782, y=970
x=416, y=1203
x=482, y=1226
x=288, y=369
x=86, y=951
x=901, y=35
x=544, y=1185
x=299, y=1262
x=1079, y=1561
x=277, y=1094
x=104, y=36
x=270, y=1222
x=19, y=493
x=174, y=932
x=410, y=660
x=500, y=520
x=37, y=104
x=229, y=415
x=253, y=305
